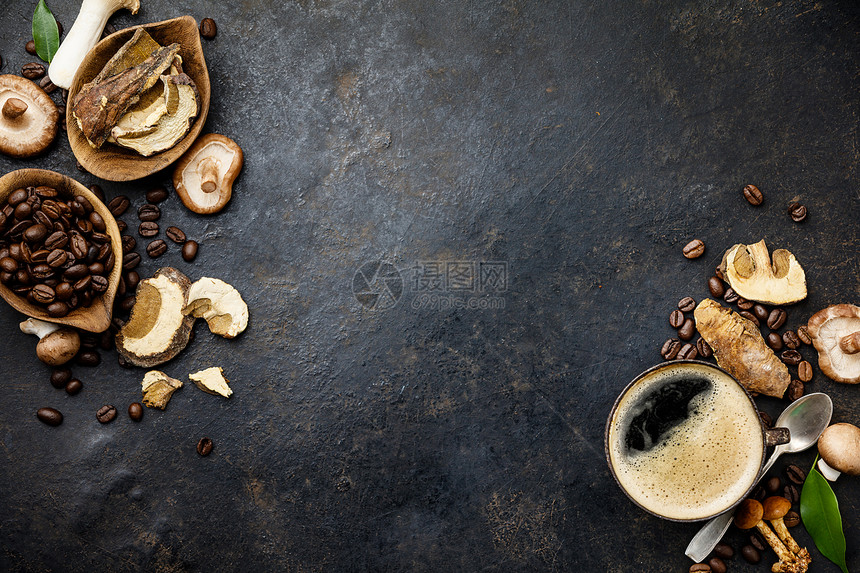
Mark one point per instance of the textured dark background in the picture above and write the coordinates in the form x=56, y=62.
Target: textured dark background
x=582, y=144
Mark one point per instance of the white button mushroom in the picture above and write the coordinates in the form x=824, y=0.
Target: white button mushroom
x=839, y=447
x=57, y=344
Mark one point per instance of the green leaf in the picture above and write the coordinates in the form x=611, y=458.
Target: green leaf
x=820, y=513
x=45, y=32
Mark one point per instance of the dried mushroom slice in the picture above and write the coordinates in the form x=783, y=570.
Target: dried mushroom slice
x=134, y=52
x=740, y=349
x=220, y=305
x=157, y=388
x=157, y=330
x=753, y=275
x=212, y=381
x=143, y=117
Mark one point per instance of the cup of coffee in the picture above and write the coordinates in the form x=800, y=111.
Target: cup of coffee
x=685, y=442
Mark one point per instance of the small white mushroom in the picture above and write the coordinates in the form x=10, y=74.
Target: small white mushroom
x=28, y=117
x=84, y=34
x=839, y=447
x=204, y=176
x=57, y=344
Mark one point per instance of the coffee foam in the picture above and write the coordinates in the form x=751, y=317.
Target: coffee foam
x=706, y=463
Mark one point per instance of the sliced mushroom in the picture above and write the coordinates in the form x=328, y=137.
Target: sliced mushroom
x=748, y=515
x=204, y=176
x=158, y=388
x=835, y=333
x=839, y=447
x=57, y=345
x=212, y=381
x=28, y=117
x=220, y=305
x=758, y=276
x=775, y=508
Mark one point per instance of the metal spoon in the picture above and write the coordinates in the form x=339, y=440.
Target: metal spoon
x=806, y=418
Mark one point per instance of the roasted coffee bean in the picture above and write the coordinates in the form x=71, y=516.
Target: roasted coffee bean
x=717, y=565
x=106, y=414
x=30, y=48
x=130, y=261
x=23, y=211
x=189, y=251
x=776, y=318
x=64, y=291
x=89, y=358
x=791, y=357
x=50, y=416
x=84, y=226
x=83, y=284
x=749, y=316
x=78, y=245
x=797, y=212
x=128, y=243
x=106, y=340
x=796, y=474
x=8, y=264
x=131, y=280
x=716, y=287
x=791, y=340
x=47, y=85
x=766, y=420
x=84, y=203
x=670, y=349
x=753, y=195
x=757, y=541
x=694, y=249
x=43, y=294
x=97, y=190
x=57, y=309
x=97, y=222
x=730, y=296
x=157, y=195
x=119, y=205
x=686, y=304
x=127, y=303
x=803, y=335
x=42, y=271
x=17, y=197
x=687, y=329
x=795, y=390
x=700, y=568
x=204, y=446
x=208, y=28
x=135, y=411
x=804, y=371
x=57, y=258
x=687, y=352
x=745, y=304
x=791, y=519
x=750, y=554
x=104, y=252
x=74, y=386
x=156, y=248
x=60, y=377
x=121, y=225
x=774, y=341
x=676, y=319
x=703, y=348
x=773, y=485
x=149, y=213
x=724, y=551
x=57, y=240
x=148, y=229
x=99, y=284
x=791, y=493
x=42, y=219
x=176, y=235
x=33, y=70
x=123, y=362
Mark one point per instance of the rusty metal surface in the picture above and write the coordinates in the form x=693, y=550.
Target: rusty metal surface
x=569, y=148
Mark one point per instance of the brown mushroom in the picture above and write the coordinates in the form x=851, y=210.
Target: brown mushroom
x=748, y=515
x=57, y=345
x=835, y=333
x=204, y=176
x=839, y=446
x=28, y=117
x=775, y=508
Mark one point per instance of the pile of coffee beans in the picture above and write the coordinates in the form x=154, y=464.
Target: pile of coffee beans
x=54, y=252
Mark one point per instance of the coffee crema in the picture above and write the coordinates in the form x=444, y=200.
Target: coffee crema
x=685, y=442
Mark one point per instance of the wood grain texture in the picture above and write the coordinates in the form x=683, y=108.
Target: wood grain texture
x=97, y=316
x=115, y=163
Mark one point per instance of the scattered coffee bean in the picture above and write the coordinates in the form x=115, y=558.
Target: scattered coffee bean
x=757, y=541
x=135, y=411
x=176, y=235
x=121, y=225
x=791, y=357
x=676, y=319
x=687, y=330
x=74, y=386
x=157, y=195
x=791, y=519
x=796, y=474
x=33, y=70
x=670, y=349
x=128, y=243
x=30, y=48
x=716, y=287
x=773, y=485
x=776, y=318
x=724, y=551
x=156, y=248
x=204, y=446
x=717, y=565
x=766, y=420
x=50, y=416
x=688, y=352
x=791, y=340
x=189, y=251
x=730, y=296
x=127, y=303
x=745, y=304
x=803, y=334
x=119, y=205
x=795, y=390
x=759, y=493
x=130, y=261
x=132, y=278
x=750, y=554
x=791, y=493
x=753, y=195
x=749, y=316
x=804, y=371
x=797, y=212
x=47, y=85
x=148, y=229
x=208, y=28
x=703, y=348
x=60, y=377
x=148, y=213
x=106, y=414
x=89, y=358
x=694, y=249
x=774, y=341
x=97, y=190
x=761, y=312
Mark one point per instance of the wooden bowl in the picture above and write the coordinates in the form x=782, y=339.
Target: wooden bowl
x=116, y=163
x=97, y=316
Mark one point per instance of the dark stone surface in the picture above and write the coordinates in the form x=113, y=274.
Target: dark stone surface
x=581, y=144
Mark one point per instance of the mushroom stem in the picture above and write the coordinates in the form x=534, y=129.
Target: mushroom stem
x=828, y=472
x=850, y=344
x=784, y=536
x=38, y=327
x=774, y=542
x=14, y=108
x=208, y=171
